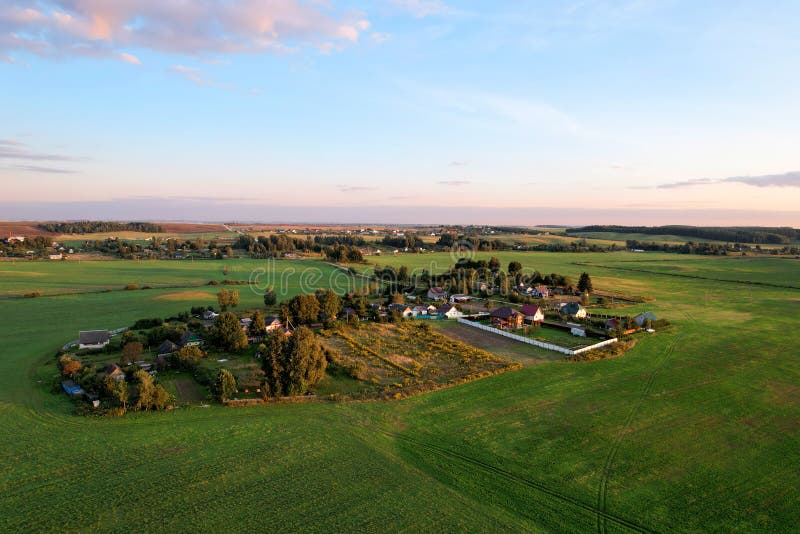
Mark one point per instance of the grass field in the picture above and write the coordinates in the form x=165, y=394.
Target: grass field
x=695, y=429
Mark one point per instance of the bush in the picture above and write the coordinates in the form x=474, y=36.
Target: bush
x=144, y=324
x=131, y=287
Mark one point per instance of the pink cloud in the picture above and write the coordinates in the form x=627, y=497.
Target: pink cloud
x=100, y=28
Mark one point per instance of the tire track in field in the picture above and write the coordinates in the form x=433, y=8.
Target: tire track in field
x=602, y=489
x=538, y=486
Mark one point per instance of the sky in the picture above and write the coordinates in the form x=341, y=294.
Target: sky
x=401, y=111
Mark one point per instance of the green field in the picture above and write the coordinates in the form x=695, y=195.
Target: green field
x=697, y=428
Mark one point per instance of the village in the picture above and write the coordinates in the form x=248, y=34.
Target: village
x=223, y=354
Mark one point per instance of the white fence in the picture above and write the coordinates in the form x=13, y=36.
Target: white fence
x=542, y=344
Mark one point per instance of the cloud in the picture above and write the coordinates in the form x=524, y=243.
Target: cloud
x=455, y=183
x=686, y=183
x=102, y=28
x=354, y=188
x=15, y=150
x=380, y=37
x=129, y=58
x=37, y=168
x=458, y=163
x=497, y=107
x=422, y=8
x=789, y=179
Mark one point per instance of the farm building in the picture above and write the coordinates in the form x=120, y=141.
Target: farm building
x=574, y=310
x=93, y=339
x=167, y=347
x=642, y=318
x=506, y=317
x=533, y=313
x=437, y=293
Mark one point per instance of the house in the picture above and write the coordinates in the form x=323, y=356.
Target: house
x=55, y=256
x=506, y=317
x=574, y=310
x=210, y=314
x=642, y=318
x=437, y=293
x=167, y=347
x=432, y=309
x=273, y=323
x=532, y=313
x=71, y=388
x=449, y=311
x=541, y=292
x=419, y=310
x=245, y=323
x=349, y=314
x=612, y=324
x=114, y=371
x=93, y=339
x=16, y=239
x=190, y=339
x=460, y=299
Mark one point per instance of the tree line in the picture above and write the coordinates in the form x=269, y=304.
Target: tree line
x=737, y=234
x=89, y=227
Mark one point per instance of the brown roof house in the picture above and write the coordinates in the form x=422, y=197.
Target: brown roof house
x=506, y=317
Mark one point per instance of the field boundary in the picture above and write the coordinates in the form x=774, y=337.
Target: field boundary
x=690, y=276
x=540, y=344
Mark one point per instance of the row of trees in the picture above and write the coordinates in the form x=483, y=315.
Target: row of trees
x=90, y=227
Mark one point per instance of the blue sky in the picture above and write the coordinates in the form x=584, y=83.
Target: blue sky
x=640, y=112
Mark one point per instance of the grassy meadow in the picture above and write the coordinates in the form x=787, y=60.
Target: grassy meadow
x=697, y=428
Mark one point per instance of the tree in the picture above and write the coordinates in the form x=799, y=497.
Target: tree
x=397, y=298
x=402, y=274
x=494, y=264
x=270, y=298
x=131, y=351
x=151, y=396
x=227, y=299
x=585, y=283
x=227, y=333
x=117, y=390
x=225, y=385
x=514, y=267
x=69, y=365
x=257, y=325
x=189, y=356
x=330, y=304
x=293, y=365
x=303, y=309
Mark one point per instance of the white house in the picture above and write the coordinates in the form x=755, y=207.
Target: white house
x=55, y=256
x=454, y=299
x=533, y=313
x=449, y=311
x=93, y=339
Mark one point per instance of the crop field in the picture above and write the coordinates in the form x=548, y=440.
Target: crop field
x=697, y=428
x=410, y=357
x=17, y=278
